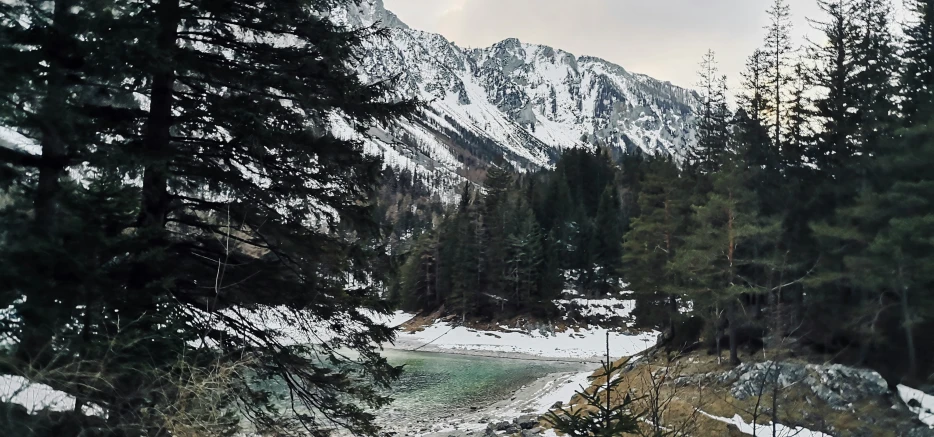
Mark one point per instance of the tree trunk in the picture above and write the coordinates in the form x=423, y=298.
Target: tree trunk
x=734, y=358
x=906, y=323
x=673, y=314
x=719, y=333
x=33, y=348
x=156, y=143
x=866, y=338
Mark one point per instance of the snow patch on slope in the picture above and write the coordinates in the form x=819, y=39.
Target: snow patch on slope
x=766, y=428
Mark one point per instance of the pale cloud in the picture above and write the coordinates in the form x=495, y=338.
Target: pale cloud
x=662, y=38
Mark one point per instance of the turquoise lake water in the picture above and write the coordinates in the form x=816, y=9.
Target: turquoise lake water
x=435, y=382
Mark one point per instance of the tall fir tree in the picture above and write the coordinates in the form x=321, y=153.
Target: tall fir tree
x=777, y=53
x=607, y=242
x=653, y=240
x=885, y=242
x=917, y=81
x=726, y=252
x=834, y=77
x=713, y=123
x=877, y=71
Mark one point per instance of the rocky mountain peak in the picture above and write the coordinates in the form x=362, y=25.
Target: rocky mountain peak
x=513, y=101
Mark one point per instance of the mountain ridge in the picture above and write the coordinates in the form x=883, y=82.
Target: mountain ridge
x=514, y=103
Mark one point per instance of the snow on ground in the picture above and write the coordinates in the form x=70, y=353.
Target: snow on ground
x=766, y=429
x=926, y=411
x=34, y=397
x=561, y=390
x=582, y=344
x=605, y=308
x=393, y=320
x=37, y=397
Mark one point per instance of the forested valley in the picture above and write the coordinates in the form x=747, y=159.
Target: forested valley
x=803, y=215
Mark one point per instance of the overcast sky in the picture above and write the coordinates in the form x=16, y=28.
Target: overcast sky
x=662, y=38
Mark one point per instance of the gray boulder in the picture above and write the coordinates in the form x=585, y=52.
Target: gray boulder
x=528, y=421
x=837, y=385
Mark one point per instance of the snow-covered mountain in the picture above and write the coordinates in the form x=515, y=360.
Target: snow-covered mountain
x=521, y=102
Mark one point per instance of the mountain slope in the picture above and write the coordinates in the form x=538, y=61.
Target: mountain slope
x=522, y=103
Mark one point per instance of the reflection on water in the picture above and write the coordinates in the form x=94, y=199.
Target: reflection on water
x=436, y=384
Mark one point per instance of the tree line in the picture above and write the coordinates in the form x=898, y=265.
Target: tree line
x=515, y=244
x=812, y=199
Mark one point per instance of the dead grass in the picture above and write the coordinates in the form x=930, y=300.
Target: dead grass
x=798, y=406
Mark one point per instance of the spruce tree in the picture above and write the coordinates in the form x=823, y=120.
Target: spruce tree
x=917, y=81
x=724, y=254
x=607, y=242
x=609, y=415
x=886, y=240
x=653, y=240
x=777, y=53
x=713, y=123
x=877, y=68
x=834, y=76
x=495, y=231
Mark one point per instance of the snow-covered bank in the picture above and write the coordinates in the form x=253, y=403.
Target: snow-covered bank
x=586, y=344
x=583, y=344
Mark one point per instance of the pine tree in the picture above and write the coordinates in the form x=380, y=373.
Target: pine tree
x=887, y=237
x=798, y=115
x=495, y=232
x=917, y=82
x=464, y=275
x=877, y=67
x=653, y=240
x=777, y=53
x=753, y=97
x=720, y=257
x=751, y=134
x=713, y=125
x=525, y=259
x=607, y=242
x=608, y=415
x=834, y=75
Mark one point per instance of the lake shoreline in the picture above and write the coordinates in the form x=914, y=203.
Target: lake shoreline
x=533, y=398
x=414, y=345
